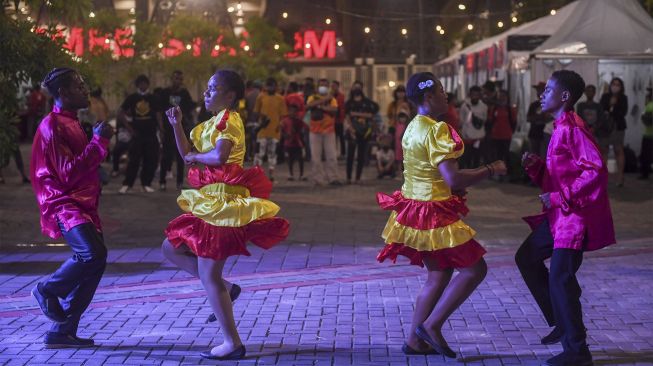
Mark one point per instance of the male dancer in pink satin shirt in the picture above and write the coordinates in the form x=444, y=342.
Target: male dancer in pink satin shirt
x=576, y=218
x=67, y=185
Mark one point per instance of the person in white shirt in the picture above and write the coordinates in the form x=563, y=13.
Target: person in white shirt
x=385, y=158
x=473, y=115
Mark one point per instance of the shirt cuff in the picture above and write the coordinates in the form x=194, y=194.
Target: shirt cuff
x=557, y=201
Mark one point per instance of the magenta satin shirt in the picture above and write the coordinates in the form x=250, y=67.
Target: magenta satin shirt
x=577, y=179
x=64, y=172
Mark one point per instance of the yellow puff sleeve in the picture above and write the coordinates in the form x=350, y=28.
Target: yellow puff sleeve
x=443, y=143
x=234, y=132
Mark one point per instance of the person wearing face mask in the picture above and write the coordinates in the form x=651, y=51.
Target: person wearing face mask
x=322, y=108
x=145, y=119
x=615, y=105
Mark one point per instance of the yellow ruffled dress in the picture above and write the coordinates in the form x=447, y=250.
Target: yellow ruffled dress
x=425, y=218
x=228, y=204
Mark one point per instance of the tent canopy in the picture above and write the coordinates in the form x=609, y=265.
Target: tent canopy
x=603, y=27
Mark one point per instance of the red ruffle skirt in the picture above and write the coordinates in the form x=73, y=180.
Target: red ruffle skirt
x=220, y=242
x=427, y=215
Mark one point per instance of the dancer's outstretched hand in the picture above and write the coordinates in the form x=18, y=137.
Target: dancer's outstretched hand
x=174, y=115
x=499, y=167
x=546, y=199
x=103, y=129
x=528, y=159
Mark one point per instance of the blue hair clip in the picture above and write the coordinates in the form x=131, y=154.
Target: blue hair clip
x=425, y=84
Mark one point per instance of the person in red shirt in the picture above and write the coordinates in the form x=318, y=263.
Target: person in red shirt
x=294, y=96
x=293, y=129
x=65, y=180
x=452, y=117
x=503, y=118
x=340, y=116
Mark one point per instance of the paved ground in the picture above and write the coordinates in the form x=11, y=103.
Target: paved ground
x=320, y=298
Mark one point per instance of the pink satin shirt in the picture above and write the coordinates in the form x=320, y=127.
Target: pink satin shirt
x=577, y=180
x=64, y=172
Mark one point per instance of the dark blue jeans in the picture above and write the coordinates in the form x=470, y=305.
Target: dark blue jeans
x=557, y=292
x=78, y=277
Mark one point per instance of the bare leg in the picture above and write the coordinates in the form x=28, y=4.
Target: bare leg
x=210, y=272
x=454, y=295
x=429, y=296
x=183, y=258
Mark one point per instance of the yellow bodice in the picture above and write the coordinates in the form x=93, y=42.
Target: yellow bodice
x=205, y=136
x=426, y=143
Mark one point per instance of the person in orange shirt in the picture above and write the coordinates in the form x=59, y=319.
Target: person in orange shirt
x=270, y=107
x=503, y=119
x=322, y=108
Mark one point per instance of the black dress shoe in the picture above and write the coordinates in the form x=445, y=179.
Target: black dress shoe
x=554, y=337
x=61, y=340
x=408, y=350
x=584, y=358
x=443, y=350
x=49, y=305
x=237, y=354
x=234, y=293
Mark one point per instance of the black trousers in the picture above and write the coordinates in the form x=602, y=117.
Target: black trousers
x=170, y=154
x=646, y=156
x=471, y=157
x=145, y=149
x=118, y=150
x=295, y=155
x=557, y=291
x=358, y=146
x=78, y=277
x=340, y=137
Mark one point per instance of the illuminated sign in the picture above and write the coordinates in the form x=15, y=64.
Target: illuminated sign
x=308, y=44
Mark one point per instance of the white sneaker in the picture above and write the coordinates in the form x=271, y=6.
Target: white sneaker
x=148, y=189
x=124, y=190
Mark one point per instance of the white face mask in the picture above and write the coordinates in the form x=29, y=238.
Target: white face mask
x=323, y=90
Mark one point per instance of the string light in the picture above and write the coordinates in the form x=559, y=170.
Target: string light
x=246, y=48
x=514, y=19
x=92, y=15
x=188, y=46
x=160, y=45
x=230, y=9
x=284, y=15
x=217, y=47
x=239, y=6
x=308, y=45
x=339, y=43
x=438, y=28
x=404, y=31
x=553, y=12
x=391, y=84
x=107, y=40
x=441, y=31
x=462, y=6
x=367, y=30
x=276, y=46
x=470, y=26
x=327, y=20
x=500, y=24
x=132, y=11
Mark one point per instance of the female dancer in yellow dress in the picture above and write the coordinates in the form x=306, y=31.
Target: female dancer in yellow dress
x=425, y=223
x=227, y=206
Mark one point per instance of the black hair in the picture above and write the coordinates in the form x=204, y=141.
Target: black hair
x=398, y=89
x=293, y=87
x=177, y=72
x=270, y=81
x=420, y=84
x=335, y=82
x=451, y=97
x=591, y=86
x=60, y=77
x=490, y=85
x=323, y=80
x=621, y=82
x=234, y=82
x=141, y=79
x=357, y=82
x=97, y=92
x=475, y=88
x=572, y=82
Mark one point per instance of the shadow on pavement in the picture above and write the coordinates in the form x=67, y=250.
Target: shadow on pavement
x=18, y=268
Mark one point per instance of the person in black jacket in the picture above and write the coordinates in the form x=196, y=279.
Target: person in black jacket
x=615, y=105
